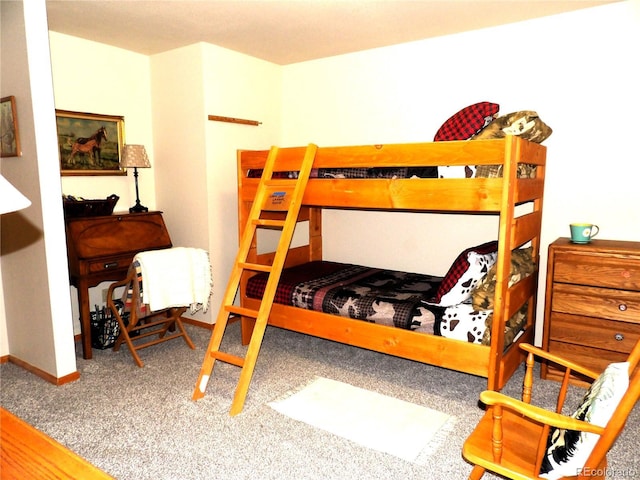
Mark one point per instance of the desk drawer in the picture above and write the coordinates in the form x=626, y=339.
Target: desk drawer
x=594, y=332
x=596, y=302
x=597, y=271
x=106, y=264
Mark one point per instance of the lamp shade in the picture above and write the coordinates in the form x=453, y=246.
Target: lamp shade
x=10, y=198
x=134, y=156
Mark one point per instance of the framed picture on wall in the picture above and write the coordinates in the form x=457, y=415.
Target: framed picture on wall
x=89, y=143
x=10, y=142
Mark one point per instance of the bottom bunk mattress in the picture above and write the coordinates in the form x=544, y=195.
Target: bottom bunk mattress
x=374, y=295
x=386, y=297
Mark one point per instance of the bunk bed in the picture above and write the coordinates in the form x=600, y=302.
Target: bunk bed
x=512, y=188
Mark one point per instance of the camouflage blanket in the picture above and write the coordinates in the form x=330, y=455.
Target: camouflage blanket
x=374, y=295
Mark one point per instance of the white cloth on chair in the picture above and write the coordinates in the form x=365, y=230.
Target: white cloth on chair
x=176, y=277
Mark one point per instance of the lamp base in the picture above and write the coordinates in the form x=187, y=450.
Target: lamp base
x=137, y=208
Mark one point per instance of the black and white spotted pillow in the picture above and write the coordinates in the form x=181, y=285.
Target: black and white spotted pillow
x=463, y=322
x=568, y=450
x=465, y=274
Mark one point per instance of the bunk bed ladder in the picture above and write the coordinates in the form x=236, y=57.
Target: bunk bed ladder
x=283, y=195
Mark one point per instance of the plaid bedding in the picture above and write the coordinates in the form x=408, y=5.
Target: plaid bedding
x=481, y=171
x=374, y=295
x=351, y=173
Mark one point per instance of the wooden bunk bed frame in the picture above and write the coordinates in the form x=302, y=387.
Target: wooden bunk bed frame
x=499, y=196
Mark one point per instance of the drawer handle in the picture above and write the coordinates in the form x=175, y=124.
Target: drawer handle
x=111, y=265
x=622, y=307
x=619, y=337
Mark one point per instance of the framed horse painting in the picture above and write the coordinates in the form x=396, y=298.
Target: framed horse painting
x=10, y=138
x=89, y=144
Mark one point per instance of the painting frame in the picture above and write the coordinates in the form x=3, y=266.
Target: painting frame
x=10, y=135
x=89, y=143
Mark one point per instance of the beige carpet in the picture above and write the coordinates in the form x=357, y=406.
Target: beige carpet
x=406, y=430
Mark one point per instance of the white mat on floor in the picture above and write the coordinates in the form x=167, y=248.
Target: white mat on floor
x=406, y=430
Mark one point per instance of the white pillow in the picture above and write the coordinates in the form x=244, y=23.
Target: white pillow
x=568, y=450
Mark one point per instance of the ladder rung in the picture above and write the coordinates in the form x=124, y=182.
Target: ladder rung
x=263, y=222
x=228, y=358
x=245, y=312
x=255, y=266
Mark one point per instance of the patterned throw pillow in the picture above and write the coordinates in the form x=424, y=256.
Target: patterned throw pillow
x=568, y=450
x=525, y=124
x=521, y=266
x=463, y=322
x=465, y=274
x=467, y=122
x=512, y=327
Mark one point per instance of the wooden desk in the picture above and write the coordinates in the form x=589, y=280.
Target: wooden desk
x=28, y=453
x=102, y=248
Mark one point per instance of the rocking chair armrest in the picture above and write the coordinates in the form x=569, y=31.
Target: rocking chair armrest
x=538, y=352
x=538, y=414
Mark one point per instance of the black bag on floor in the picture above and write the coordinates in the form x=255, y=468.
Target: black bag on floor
x=104, y=326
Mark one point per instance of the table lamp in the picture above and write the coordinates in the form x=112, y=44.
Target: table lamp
x=11, y=199
x=135, y=156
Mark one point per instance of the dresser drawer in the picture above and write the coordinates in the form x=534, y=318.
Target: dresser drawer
x=594, y=332
x=596, y=302
x=592, y=358
x=113, y=263
x=597, y=270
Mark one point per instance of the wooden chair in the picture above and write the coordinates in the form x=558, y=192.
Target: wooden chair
x=164, y=324
x=511, y=438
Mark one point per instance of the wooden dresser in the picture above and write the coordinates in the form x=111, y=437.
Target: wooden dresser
x=102, y=248
x=592, y=306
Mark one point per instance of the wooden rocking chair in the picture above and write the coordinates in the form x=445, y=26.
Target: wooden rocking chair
x=511, y=438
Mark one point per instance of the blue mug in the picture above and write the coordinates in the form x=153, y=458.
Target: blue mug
x=583, y=232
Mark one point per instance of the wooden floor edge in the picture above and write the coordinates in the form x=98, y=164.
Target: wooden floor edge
x=27, y=452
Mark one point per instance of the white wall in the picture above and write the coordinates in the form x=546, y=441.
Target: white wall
x=237, y=86
x=113, y=82
x=578, y=70
x=36, y=317
x=179, y=140
x=196, y=175
x=193, y=174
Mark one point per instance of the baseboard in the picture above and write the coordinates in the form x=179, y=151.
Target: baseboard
x=78, y=338
x=197, y=323
x=44, y=375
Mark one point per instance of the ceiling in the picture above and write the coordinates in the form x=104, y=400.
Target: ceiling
x=285, y=32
